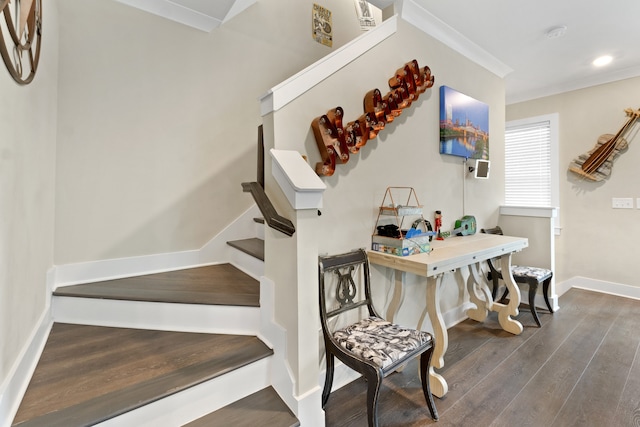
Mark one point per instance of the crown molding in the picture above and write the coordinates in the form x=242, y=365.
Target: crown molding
x=425, y=21
x=282, y=94
x=203, y=16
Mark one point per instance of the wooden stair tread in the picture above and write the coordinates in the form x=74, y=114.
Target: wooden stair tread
x=263, y=408
x=253, y=247
x=88, y=374
x=221, y=284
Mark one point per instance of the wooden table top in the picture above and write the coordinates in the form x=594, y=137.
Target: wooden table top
x=451, y=253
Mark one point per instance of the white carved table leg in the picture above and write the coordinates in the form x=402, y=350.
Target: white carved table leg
x=437, y=383
x=396, y=301
x=398, y=295
x=479, y=294
x=506, y=311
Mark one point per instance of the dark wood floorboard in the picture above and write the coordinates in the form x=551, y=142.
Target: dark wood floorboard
x=253, y=247
x=221, y=284
x=582, y=368
x=263, y=408
x=628, y=409
x=599, y=389
x=91, y=373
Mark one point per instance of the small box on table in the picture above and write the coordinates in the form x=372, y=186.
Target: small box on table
x=400, y=247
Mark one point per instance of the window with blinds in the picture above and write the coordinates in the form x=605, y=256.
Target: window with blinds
x=529, y=175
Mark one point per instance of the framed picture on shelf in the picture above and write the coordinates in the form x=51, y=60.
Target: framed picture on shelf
x=464, y=125
x=365, y=15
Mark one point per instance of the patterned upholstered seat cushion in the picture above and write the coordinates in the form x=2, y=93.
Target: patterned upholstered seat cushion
x=379, y=341
x=529, y=272
x=532, y=272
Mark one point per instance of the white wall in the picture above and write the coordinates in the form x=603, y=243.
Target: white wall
x=405, y=153
x=27, y=174
x=158, y=121
x=133, y=139
x=596, y=241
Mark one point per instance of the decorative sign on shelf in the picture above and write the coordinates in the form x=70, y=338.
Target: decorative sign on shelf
x=321, y=22
x=335, y=140
x=365, y=15
x=596, y=164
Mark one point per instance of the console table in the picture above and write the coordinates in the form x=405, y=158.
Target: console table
x=448, y=255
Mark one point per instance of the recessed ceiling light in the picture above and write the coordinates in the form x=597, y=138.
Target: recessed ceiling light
x=555, y=32
x=602, y=61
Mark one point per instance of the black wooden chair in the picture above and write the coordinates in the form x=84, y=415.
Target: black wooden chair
x=532, y=276
x=357, y=335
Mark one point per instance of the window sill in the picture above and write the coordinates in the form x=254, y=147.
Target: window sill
x=532, y=211
x=529, y=211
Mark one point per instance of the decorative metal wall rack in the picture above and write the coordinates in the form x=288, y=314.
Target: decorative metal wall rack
x=392, y=237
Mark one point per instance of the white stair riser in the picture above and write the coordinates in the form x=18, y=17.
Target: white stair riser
x=260, y=230
x=251, y=265
x=214, y=319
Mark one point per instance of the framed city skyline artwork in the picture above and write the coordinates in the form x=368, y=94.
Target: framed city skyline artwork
x=464, y=125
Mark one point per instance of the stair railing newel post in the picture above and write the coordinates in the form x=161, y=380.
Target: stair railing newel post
x=290, y=267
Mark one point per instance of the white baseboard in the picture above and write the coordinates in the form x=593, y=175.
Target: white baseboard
x=244, y=227
x=275, y=336
x=109, y=269
x=309, y=409
x=595, y=285
x=215, y=251
x=456, y=314
x=13, y=388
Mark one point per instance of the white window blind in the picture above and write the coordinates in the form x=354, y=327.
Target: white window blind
x=528, y=165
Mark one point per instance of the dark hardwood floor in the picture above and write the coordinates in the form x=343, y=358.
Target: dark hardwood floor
x=582, y=368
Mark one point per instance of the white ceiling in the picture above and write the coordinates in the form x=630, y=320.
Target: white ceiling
x=514, y=32
x=509, y=35
x=204, y=15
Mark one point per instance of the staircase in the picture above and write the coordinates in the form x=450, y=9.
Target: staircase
x=178, y=348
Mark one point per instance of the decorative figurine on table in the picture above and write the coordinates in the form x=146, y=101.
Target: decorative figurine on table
x=439, y=225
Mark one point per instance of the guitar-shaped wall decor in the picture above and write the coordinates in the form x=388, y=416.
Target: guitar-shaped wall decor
x=596, y=164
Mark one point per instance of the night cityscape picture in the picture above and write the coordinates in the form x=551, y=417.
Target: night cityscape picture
x=464, y=125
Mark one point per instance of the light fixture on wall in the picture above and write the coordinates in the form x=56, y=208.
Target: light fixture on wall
x=481, y=169
x=21, y=49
